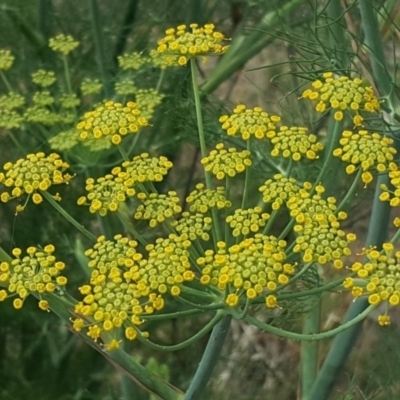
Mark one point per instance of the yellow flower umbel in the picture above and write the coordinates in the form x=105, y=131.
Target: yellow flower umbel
x=63, y=44
x=393, y=196
x=179, y=45
x=106, y=194
x=43, y=78
x=156, y=208
x=280, y=189
x=342, y=94
x=249, y=122
x=38, y=272
x=318, y=237
x=195, y=226
x=252, y=268
x=367, y=151
x=223, y=162
x=247, y=221
x=33, y=175
x=112, y=299
x=6, y=60
x=381, y=273
x=295, y=143
x=111, y=120
x=144, y=168
x=202, y=200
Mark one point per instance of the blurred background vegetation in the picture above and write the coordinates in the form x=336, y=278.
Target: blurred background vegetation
x=39, y=357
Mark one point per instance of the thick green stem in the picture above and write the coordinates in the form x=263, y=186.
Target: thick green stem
x=209, y=360
x=244, y=47
x=67, y=73
x=309, y=350
x=4, y=256
x=68, y=217
x=316, y=336
x=99, y=44
x=5, y=81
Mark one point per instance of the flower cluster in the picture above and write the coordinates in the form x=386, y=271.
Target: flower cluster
x=65, y=140
x=369, y=151
x=148, y=100
x=112, y=119
x=201, y=200
x=69, y=100
x=252, y=267
x=144, y=168
x=91, y=86
x=295, y=143
x=37, y=272
x=156, y=208
x=43, y=78
x=124, y=287
x=195, y=226
x=125, y=87
x=106, y=193
x=32, y=175
x=6, y=60
x=112, y=298
x=244, y=222
x=278, y=190
x=133, y=61
x=222, y=162
x=43, y=99
x=11, y=100
x=63, y=44
x=40, y=115
x=318, y=236
x=342, y=94
x=179, y=45
x=381, y=272
x=249, y=122
x=10, y=119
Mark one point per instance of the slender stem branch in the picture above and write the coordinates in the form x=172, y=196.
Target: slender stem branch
x=209, y=360
x=217, y=317
x=350, y=192
x=5, y=81
x=246, y=180
x=4, y=256
x=68, y=217
x=315, y=336
x=67, y=73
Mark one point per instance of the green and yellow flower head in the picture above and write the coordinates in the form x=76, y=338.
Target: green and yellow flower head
x=381, y=274
x=248, y=122
x=43, y=78
x=112, y=120
x=31, y=176
x=91, y=86
x=37, y=272
x=6, y=60
x=63, y=44
x=368, y=151
x=342, y=94
x=180, y=44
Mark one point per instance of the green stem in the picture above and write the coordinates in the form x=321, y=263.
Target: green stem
x=160, y=80
x=315, y=336
x=5, y=81
x=350, y=192
x=199, y=117
x=209, y=360
x=129, y=227
x=67, y=73
x=4, y=256
x=68, y=217
x=203, y=331
x=123, y=152
x=309, y=350
x=246, y=180
x=327, y=169
x=99, y=45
